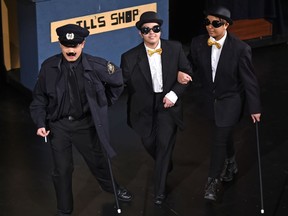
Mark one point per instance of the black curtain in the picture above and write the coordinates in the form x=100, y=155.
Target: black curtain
x=281, y=20
x=274, y=11
x=185, y=21
x=248, y=9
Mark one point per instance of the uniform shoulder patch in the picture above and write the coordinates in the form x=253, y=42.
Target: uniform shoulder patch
x=110, y=67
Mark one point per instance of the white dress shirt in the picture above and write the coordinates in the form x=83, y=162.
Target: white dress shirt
x=155, y=64
x=156, y=69
x=215, y=54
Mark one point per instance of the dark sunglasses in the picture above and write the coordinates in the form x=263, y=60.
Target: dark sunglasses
x=146, y=30
x=214, y=23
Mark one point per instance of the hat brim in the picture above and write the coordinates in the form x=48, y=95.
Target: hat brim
x=141, y=22
x=71, y=43
x=68, y=43
x=229, y=20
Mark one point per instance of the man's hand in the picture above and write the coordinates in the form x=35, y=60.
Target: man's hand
x=183, y=78
x=42, y=132
x=256, y=117
x=167, y=103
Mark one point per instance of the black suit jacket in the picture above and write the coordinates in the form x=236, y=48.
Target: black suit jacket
x=137, y=77
x=235, y=82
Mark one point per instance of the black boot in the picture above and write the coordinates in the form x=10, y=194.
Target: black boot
x=212, y=188
x=159, y=199
x=123, y=194
x=229, y=171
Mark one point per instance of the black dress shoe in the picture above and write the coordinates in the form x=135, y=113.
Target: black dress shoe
x=63, y=213
x=159, y=199
x=124, y=195
x=229, y=171
x=212, y=188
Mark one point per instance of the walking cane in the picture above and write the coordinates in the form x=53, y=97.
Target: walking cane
x=259, y=163
x=113, y=184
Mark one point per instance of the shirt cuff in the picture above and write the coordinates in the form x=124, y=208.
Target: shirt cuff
x=172, y=96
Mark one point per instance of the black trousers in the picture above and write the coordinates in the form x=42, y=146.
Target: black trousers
x=82, y=134
x=160, y=145
x=222, y=148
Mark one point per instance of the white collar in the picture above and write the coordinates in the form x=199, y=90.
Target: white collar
x=157, y=47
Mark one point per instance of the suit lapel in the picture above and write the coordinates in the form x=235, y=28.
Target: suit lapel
x=206, y=57
x=165, y=60
x=223, y=59
x=144, y=65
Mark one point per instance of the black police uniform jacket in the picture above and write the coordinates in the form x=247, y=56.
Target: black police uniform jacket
x=103, y=83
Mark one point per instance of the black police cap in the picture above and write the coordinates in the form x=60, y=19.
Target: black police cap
x=71, y=34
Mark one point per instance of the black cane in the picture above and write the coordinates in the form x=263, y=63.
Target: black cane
x=113, y=184
x=259, y=163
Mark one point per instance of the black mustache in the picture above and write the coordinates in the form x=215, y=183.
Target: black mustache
x=71, y=53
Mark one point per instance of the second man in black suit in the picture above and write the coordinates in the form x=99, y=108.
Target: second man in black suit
x=223, y=64
x=154, y=105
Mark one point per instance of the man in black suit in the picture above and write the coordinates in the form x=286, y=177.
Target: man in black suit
x=224, y=66
x=154, y=105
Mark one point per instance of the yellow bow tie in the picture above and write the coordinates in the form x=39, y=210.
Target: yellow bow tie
x=211, y=42
x=151, y=52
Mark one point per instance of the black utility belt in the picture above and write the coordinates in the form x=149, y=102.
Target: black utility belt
x=72, y=118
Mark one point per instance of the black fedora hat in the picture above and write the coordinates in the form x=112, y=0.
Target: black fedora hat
x=221, y=12
x=148, y=17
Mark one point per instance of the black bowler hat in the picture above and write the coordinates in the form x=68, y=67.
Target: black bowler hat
x=71, y=35
x=221, y=12
x=148, y=17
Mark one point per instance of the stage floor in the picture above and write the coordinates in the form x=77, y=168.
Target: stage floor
x=26, y=186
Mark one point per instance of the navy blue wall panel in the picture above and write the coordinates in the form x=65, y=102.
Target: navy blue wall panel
x=35, y=18
x=28, y=43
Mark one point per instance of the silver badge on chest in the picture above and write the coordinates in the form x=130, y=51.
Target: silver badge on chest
x=110, y=68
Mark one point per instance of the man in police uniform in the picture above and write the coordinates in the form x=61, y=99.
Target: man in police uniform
x=64, y=116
